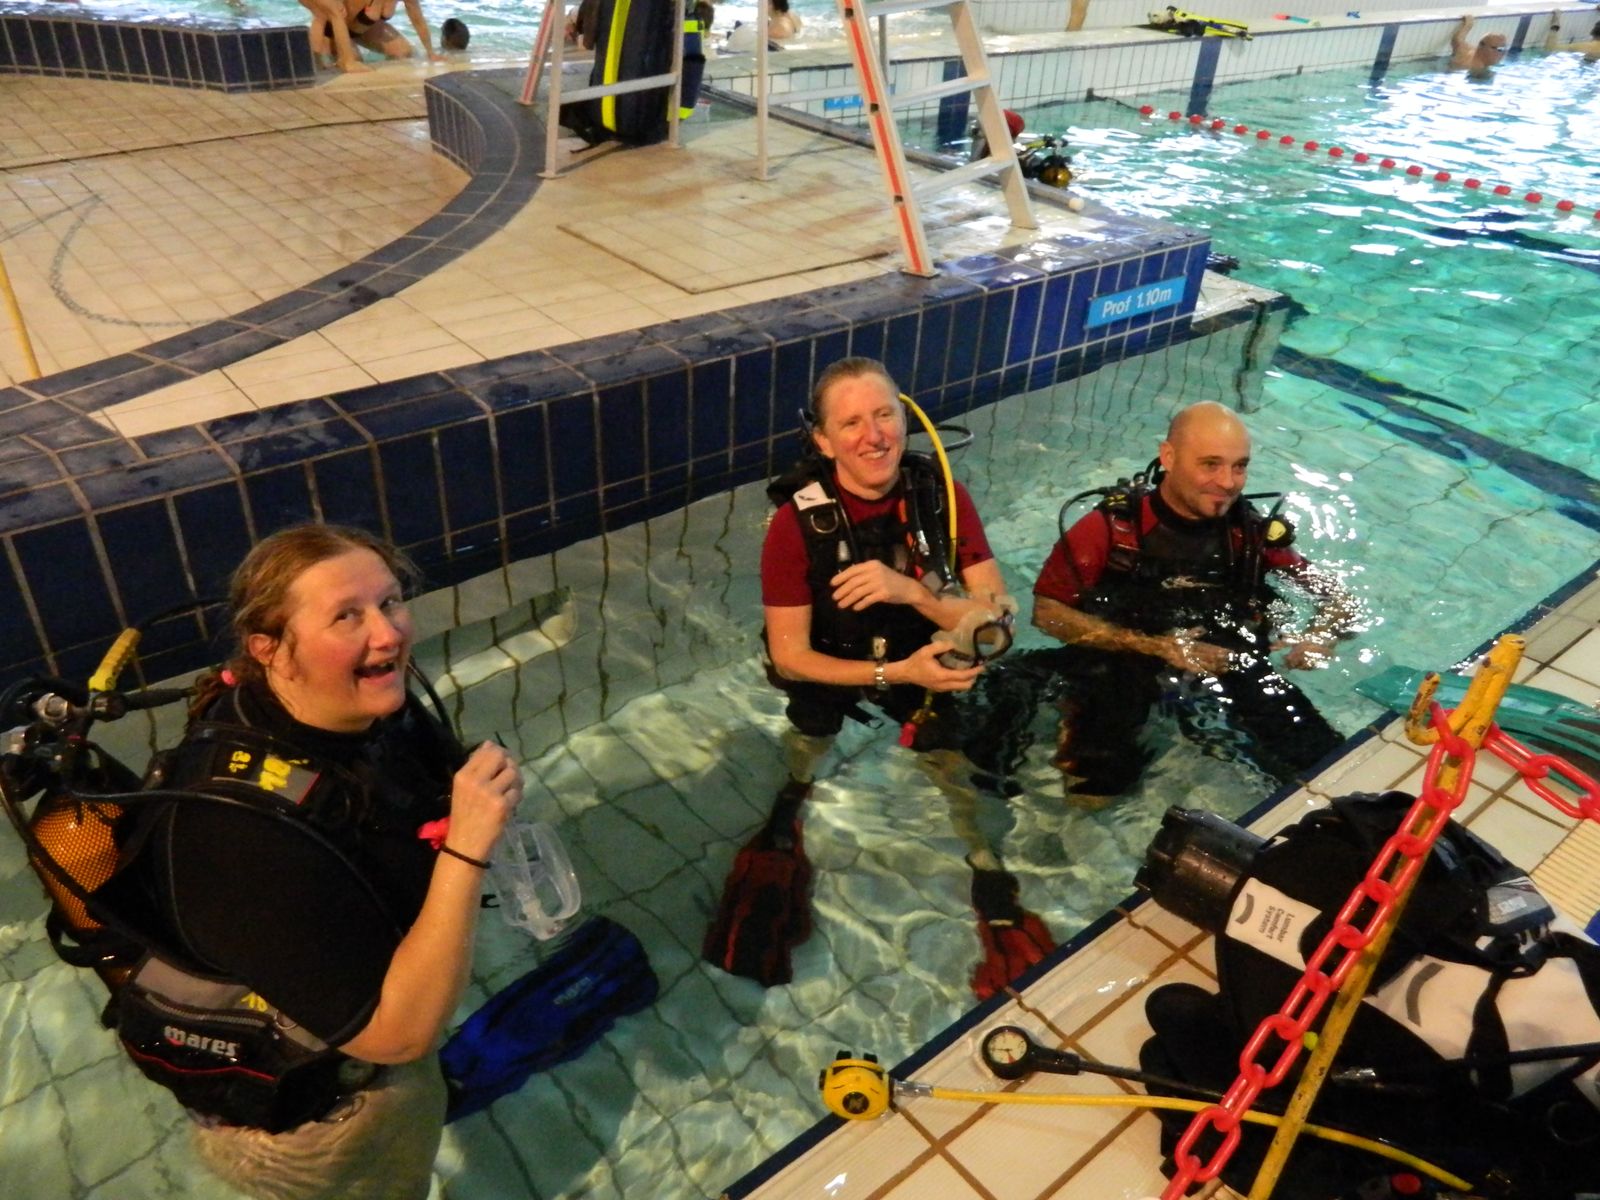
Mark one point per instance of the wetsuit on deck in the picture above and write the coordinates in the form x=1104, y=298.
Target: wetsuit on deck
x=808, y=544
x=1138, y=564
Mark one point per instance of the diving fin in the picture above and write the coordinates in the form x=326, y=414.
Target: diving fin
x=550, y=1015
x=1549, y=720
x=1013, y=938
x=765, y=910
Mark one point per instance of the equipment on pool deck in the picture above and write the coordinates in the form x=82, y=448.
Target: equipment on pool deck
x=549, y=1016
x=857, y=1088
x=1551, y=721
x=1188, y=24
x=1464, y=1049
x=765, y=909
x=1013, y=939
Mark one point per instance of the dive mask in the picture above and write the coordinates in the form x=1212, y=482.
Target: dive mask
x=981, y=636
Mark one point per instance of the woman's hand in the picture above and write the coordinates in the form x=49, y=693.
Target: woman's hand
x=483, y=796
x=867, y=583
x=925, y=671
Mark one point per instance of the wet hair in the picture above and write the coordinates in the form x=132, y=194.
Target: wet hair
x=781, y=6
x=258, y=593
x=847, y=368
x=454, y=34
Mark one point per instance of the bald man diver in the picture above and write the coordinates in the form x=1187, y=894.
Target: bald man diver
x=1173, y=578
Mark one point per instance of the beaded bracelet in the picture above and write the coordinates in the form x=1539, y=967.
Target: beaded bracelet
x=481, y=864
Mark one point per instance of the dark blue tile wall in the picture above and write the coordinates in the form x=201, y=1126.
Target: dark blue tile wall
x=182, y=50
x=471, y=468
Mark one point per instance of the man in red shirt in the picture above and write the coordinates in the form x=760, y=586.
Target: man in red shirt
x=858, y=573
x=1173, y=579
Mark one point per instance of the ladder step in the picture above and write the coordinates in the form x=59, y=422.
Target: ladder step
x=970, y=173
x=938, y=91
x=616, y=89
x=886, y=8
x=806, y=95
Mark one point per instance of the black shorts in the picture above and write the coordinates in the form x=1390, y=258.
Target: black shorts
x=820, y=709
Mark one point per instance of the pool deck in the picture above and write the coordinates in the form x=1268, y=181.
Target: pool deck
x=131, y=213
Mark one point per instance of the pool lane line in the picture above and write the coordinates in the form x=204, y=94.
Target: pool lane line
x=1471, y=183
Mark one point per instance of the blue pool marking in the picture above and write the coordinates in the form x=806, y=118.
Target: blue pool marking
x=1499, y=225
x=1134, y=301
x=1577, y=493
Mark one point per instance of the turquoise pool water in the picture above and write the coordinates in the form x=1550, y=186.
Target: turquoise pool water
x=499, y=27
x=1440, y=456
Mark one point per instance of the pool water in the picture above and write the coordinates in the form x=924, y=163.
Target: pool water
x=499, y=27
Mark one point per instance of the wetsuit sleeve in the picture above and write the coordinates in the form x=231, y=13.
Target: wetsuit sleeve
x=1076, y=561
x=972, y=544
x=784, y=562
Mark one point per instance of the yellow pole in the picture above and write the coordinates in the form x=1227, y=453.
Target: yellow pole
x=16, y=319
x=1471, y=721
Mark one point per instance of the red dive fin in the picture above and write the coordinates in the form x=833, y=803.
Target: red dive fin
x=765, y=909
x=1013, y=939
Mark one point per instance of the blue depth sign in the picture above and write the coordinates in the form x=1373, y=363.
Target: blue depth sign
x=1147, y=297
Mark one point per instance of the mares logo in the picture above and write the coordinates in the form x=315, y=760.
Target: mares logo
x=199, y=1041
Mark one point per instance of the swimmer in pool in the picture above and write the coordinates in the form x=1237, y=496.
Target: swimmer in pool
x=1477, y=61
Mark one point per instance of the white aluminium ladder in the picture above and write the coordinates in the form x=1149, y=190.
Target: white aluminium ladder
x=870, y=54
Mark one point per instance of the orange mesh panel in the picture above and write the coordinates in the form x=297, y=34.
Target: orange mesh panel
x=79, y=836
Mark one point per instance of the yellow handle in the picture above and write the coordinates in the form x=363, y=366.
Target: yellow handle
x=105, y=675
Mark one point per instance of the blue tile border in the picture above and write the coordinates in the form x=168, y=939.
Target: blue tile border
x=473, y=468
x=180, y=51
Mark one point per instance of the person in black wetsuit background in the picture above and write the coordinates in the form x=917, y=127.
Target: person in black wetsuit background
x=313, y=883
x=1174, y=579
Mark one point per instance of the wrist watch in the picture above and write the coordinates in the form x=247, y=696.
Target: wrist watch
x=880, y=655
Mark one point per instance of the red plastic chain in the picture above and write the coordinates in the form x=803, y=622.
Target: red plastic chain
x=1361, y=918
x=1535, y=768
x=1364, y=914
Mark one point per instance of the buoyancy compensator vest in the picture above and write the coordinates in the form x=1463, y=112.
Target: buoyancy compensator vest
x=1182, y=574
x=633, y=40
x=127, y=870
x=1478, y=1044
x=912, y=538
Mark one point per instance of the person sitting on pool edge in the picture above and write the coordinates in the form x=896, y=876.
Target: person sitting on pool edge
x=1478, y=61
x=1173, y=578
x=339, y=26
x=857, y=575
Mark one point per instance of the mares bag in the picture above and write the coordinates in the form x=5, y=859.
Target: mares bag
x=1477, y=1046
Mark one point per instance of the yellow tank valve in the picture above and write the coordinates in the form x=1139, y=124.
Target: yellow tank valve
x=857, y=1089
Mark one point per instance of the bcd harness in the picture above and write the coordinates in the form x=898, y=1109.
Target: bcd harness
x=220, y=1048
x=911, y=539
x=1213, y=575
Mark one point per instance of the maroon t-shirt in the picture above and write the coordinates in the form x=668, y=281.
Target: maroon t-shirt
x=1077, y=561
x=785, y=562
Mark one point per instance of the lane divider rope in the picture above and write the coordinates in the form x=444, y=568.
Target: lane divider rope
x=1218, y=125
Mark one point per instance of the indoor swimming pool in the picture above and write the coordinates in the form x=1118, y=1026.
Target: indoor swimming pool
x=1430, y=415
